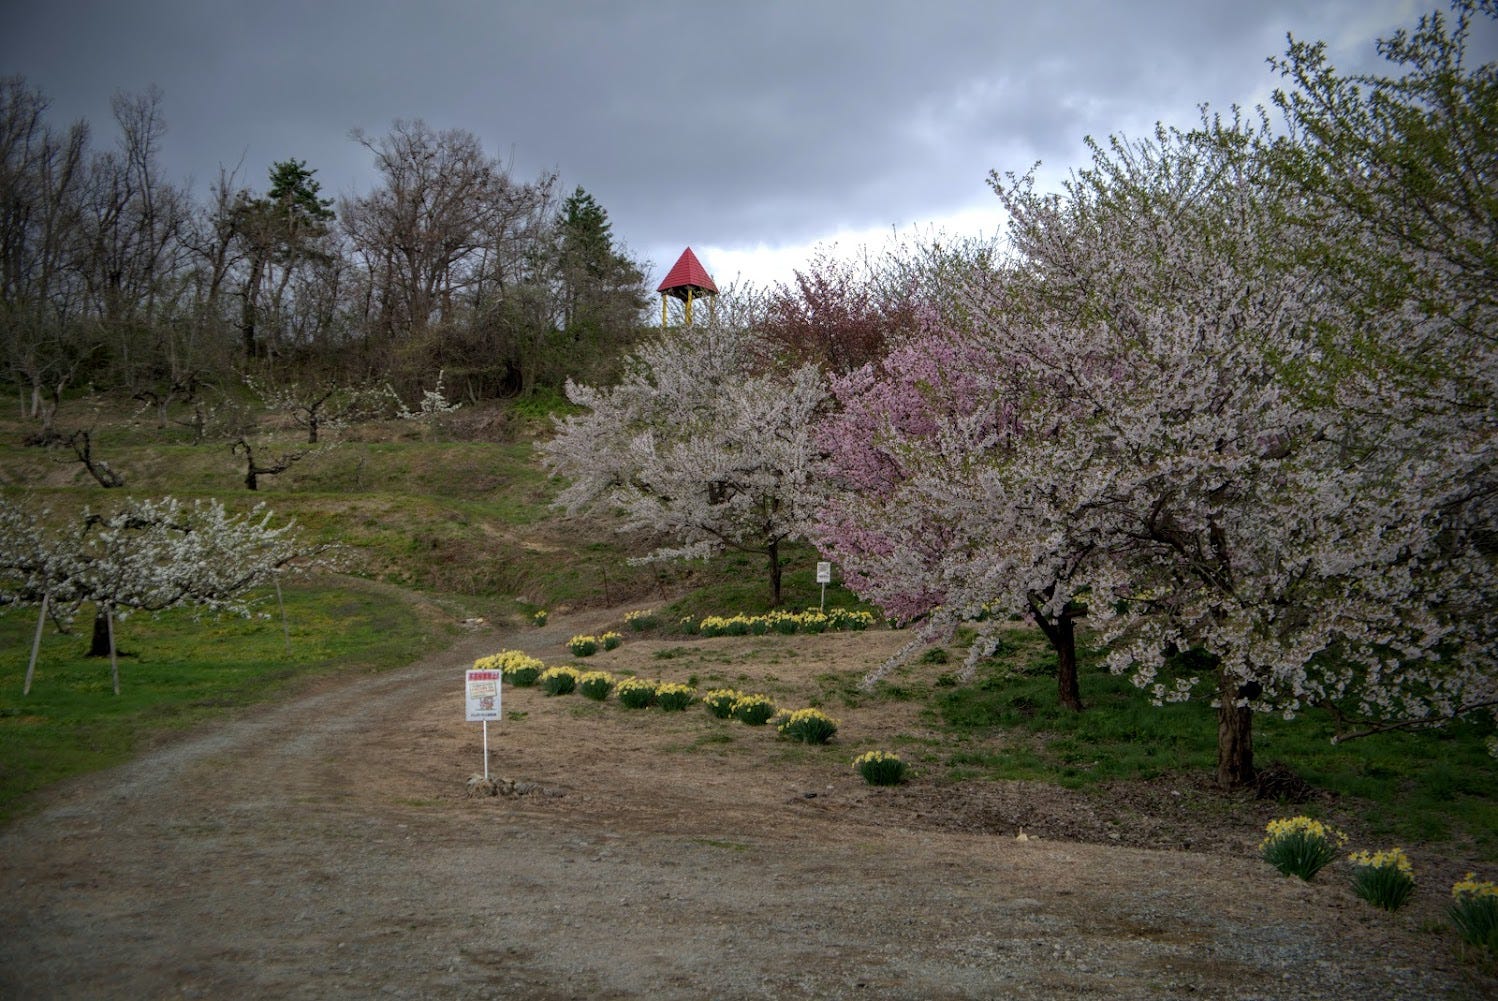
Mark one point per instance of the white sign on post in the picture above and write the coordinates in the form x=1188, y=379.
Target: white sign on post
x=824, y=573
x=482, y=695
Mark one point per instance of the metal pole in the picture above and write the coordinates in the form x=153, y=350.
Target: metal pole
x=36, y=644
x=114, y=663
x=285, y=628
x=486, y=750
x=824, y=598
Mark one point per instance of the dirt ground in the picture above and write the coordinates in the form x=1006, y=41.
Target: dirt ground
x=324, y=847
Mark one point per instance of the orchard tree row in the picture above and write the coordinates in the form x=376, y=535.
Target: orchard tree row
x=1230, y=397
x=114, y=276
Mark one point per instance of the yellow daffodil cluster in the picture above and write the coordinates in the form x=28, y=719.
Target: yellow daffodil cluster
x=873, y=758
x=636, y=693
x=810, y=726
x=719, y=701
x=610, y=640
x=558, y=680
x=1471, y=887
x=1301, y=826
x=807, y=715
x=1394, y=858
x=507, y=660
x=640, y=618
x=583, y=646
x=671, y=695
x=755, y=710
x=809, y=621
x=595, y=684
x=880, y=768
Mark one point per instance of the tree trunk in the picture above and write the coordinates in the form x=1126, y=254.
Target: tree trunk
x=1062, y=634
x=774, y=554
x=99, y=644
x=1068, y=691
x=1235, y=738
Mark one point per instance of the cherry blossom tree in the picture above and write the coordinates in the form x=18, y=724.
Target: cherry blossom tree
x=700, y=442
x=1157, y=428
x=150, y=555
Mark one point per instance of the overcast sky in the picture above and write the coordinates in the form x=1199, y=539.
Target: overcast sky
x=752, y=131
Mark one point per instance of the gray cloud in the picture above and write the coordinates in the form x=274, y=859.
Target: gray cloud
x=731, y=124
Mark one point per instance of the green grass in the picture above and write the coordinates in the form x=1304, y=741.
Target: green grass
x=178, y=673
x=1413, y=786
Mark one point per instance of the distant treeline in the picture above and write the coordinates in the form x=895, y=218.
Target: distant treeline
x=114, y=276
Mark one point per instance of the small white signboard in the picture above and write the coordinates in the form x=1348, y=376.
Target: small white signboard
x=481, y=694
x=824, y=573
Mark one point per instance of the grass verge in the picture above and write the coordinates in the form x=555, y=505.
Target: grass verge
x=1412, y=786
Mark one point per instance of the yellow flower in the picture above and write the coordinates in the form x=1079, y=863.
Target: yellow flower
x=1470, y=886
x=507, y=660
x=1394, y=858
x=1291, y=826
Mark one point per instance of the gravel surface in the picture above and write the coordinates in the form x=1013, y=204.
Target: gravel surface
x=324, y=847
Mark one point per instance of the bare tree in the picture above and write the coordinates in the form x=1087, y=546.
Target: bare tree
x=82, y=443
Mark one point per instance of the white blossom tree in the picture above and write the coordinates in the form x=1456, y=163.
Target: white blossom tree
x=150, y=555
x=701, y=442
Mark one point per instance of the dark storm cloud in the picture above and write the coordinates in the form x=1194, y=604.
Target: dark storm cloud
x=709, y=123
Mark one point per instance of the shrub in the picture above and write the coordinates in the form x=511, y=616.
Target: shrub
x=755, y=710
x=558, y=680
x=1300, y=846
x=611, y=641
x=809, y=726
x=516, y=667
x=1474, y=911
x=673, y=697
x=720, y=702
x=583, y=646
x=635, y=693
x=596, y=685
x=1384, y=879
x=880, y=768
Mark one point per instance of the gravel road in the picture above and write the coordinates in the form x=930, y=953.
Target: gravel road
x=323, y=847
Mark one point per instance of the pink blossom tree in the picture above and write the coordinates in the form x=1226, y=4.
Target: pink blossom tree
x=904, y=447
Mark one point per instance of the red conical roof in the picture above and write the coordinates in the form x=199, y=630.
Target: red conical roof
x=687, y=273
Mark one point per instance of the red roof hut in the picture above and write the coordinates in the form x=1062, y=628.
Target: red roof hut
x=686, y=280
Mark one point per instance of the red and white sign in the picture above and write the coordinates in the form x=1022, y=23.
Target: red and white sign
x=481, y=695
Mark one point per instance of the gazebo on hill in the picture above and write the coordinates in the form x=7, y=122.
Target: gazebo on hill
x=687, y=280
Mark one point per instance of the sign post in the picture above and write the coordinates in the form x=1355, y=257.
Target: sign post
x=824, y=577
x=482, y=698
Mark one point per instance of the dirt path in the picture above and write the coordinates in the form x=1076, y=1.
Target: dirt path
x=323, y=848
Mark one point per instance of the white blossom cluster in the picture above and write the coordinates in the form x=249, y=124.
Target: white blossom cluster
x=150, y=555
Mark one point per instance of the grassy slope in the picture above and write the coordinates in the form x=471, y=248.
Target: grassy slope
x=462, y=515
